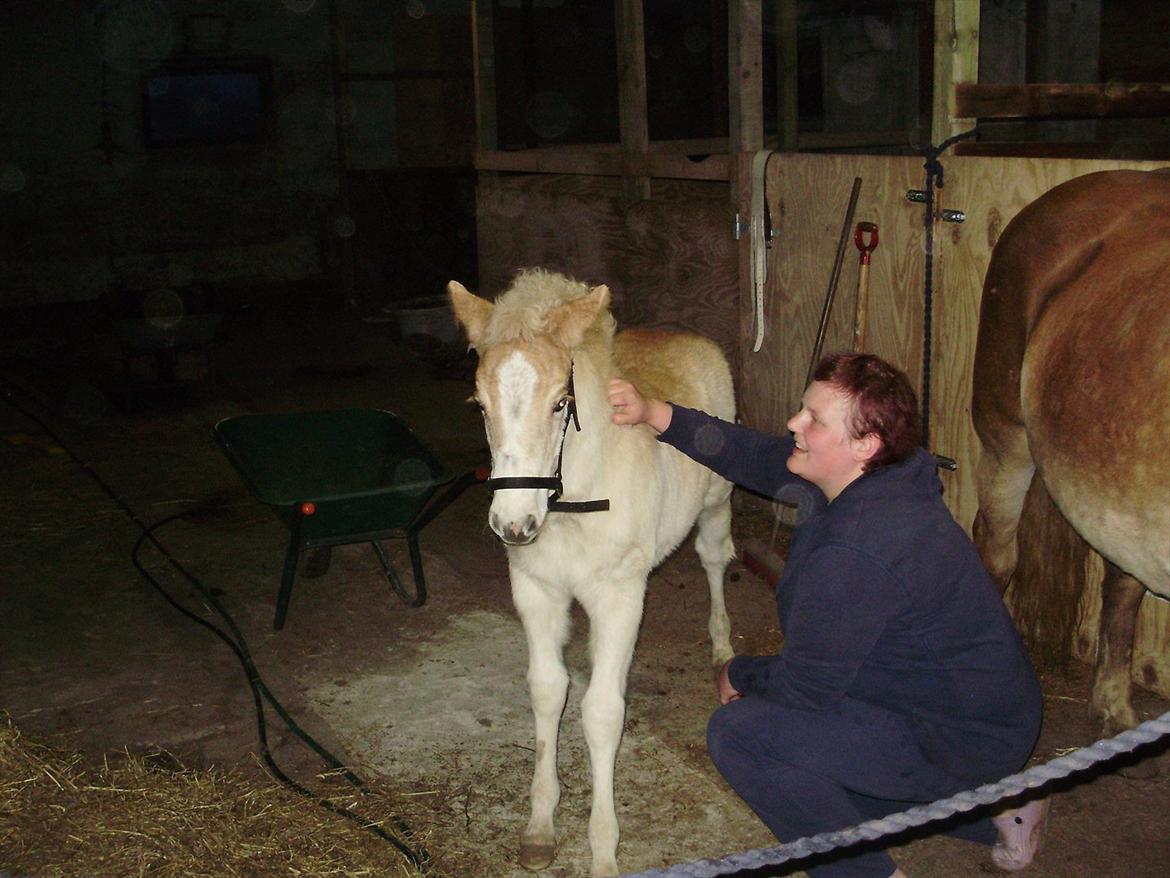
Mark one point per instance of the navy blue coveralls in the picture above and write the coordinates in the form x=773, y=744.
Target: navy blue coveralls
x=902, y=678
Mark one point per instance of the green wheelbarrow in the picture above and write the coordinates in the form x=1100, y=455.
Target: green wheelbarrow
x=341, y=477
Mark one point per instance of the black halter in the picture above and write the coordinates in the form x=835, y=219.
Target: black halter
x=553, y=483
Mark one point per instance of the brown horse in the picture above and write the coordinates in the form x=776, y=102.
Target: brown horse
x=1072, y=383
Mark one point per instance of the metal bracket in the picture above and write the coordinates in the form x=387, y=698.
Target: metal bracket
x=738, y=227
x=918, y=196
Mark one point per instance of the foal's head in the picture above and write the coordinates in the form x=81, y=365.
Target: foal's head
x=523, y=387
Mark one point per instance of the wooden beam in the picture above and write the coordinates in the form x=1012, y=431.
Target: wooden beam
x=854, y=139
x=631, y=59
x=956, y=60
x=483, y=53
x=1066, y=100
x=787, y=119
x=699, y=146
x=745, y=84
x=587, y=162
x=1121, y=150
x=396, y=75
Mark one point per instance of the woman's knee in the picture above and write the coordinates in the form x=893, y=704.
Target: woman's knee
x=729, y=734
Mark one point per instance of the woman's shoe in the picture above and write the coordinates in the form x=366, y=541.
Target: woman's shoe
x=1021, y=832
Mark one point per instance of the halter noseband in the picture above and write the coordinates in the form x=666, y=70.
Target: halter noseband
x=553, y=483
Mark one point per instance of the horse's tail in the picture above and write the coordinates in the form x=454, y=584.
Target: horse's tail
x=1049, y=580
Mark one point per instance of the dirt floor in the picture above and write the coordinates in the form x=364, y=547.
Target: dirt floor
x=431, y=699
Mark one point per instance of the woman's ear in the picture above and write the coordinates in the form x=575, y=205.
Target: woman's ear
x=866, y=447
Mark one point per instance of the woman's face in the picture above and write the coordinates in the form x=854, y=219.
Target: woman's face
x=825, y=453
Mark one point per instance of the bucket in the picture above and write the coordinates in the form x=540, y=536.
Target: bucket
x=427, y=316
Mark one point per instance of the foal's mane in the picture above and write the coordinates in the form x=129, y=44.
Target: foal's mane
x=522, y=311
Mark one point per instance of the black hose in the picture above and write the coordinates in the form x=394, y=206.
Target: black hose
x=235, y=641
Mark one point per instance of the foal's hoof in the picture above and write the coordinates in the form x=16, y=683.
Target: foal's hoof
x=535, y=857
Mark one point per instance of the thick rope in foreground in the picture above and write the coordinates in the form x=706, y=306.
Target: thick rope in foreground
x=1014, y=784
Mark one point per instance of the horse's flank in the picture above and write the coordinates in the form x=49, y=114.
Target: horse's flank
x=1072, y=381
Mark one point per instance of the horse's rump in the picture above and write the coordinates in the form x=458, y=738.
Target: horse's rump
x=1096, y=388
x=1074, y=352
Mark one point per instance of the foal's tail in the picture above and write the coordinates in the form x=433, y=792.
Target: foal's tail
x=1050, y=578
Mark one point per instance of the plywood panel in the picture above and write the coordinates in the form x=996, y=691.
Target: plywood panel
x=669, y=261
x=807, y=196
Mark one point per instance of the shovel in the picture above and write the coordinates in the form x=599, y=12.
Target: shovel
x=866, y=247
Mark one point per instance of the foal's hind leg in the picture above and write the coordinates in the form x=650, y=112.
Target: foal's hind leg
x=546, y=626
x=713, y=543
x=1121, y=598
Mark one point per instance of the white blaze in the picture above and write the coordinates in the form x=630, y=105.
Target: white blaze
x=516, y=380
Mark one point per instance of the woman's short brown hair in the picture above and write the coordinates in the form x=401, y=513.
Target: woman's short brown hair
x=883, y=403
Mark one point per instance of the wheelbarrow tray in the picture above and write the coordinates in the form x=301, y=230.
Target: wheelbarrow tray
x=334, y=478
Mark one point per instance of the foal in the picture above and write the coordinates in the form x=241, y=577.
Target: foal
x=547, y=349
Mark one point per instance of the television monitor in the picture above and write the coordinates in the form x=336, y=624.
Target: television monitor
x=205, y=101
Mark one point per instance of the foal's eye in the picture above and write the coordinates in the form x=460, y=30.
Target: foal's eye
x=561, y=403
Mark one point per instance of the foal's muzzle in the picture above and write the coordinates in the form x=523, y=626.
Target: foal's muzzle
x=516, y=533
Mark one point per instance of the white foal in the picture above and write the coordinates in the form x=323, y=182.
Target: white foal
x=547, y=350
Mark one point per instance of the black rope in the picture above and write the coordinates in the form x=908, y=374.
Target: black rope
x=934, y=178
x=235, y=641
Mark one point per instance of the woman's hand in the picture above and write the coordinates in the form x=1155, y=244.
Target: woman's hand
x=727, y=693
x=630, y=407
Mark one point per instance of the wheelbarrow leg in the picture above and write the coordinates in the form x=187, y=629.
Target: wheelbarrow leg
x=291, y=558
x=420, y=582
x=396, y=583
x=282, y=601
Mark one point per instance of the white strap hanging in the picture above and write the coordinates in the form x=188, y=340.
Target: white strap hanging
x=758, y=234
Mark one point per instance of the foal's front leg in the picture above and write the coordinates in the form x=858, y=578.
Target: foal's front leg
x=546, y=625
x=615, y=611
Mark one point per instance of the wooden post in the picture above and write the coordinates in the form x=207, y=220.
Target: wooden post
x=631, y=59
x=787, y=121
x=745, y=94
x=956, y=60
x=483, y=52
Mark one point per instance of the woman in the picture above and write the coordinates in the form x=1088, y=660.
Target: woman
x=902, y=678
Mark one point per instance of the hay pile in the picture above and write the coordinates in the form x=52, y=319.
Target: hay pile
x=62, y=816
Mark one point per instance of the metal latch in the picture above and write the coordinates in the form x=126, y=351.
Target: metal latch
x=739, y=229
x=918, y=196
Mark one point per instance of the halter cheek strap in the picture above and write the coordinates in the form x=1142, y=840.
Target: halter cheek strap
x=553, y=483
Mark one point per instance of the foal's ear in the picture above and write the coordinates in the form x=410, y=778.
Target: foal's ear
x=569, y=322
x=470, y=310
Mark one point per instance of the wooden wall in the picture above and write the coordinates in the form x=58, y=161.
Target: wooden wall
x=808, y=196
x=669, y=261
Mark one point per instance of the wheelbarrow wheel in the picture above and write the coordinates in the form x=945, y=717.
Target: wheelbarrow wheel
x=315, y=562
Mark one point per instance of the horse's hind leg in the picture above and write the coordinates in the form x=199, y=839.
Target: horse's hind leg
x=546, y=625
x=1003, y=475
x=1121, y=597
x=615, y=611
x=713, y=543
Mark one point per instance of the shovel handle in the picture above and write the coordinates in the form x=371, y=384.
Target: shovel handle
x=866, y=246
